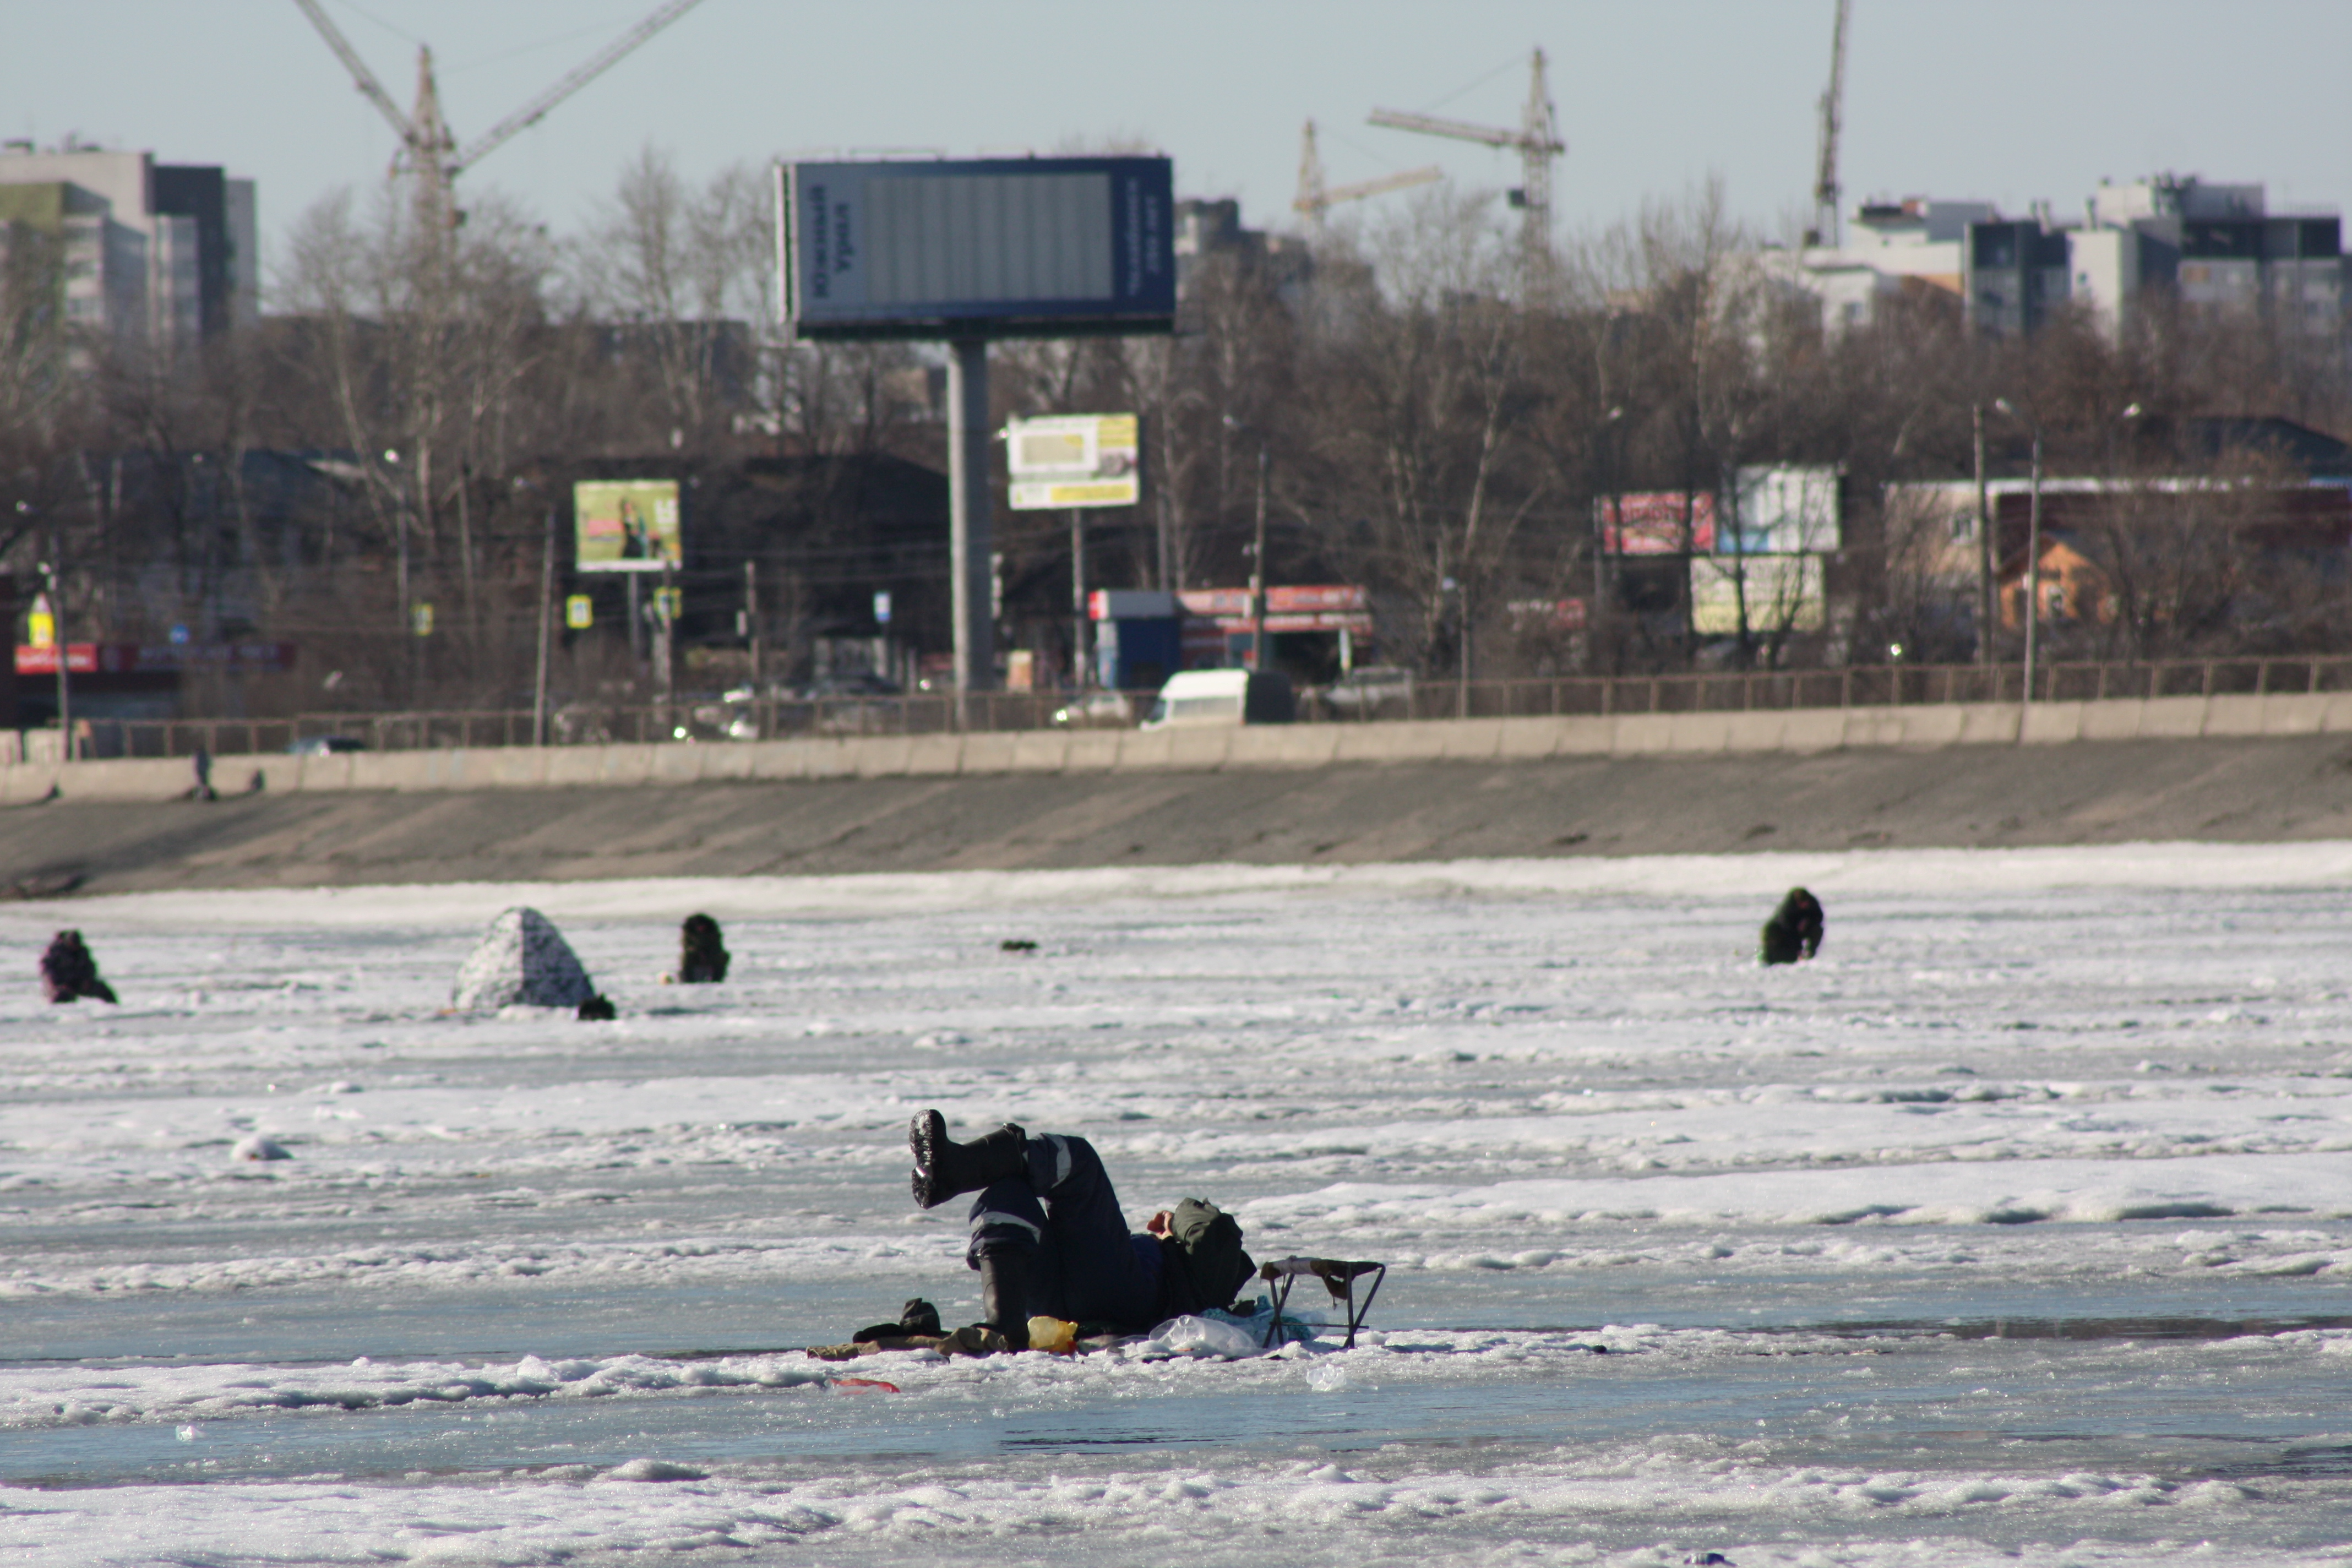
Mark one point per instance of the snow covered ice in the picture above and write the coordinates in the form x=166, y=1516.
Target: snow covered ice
x=2018, y=1225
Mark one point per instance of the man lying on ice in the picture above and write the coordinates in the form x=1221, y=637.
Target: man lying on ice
x=1049, y=1239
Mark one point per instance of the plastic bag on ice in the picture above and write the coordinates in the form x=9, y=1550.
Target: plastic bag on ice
x=1295, y=1329
x=1191, y=1335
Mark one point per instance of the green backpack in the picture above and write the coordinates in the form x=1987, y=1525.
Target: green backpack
x=1208, y=1251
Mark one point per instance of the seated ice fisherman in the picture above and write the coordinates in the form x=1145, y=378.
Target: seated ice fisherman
x=1794, y=931
x=1049, y=1239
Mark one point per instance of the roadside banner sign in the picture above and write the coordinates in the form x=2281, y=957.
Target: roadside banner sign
x=626, y=525
x=1783, y=593
x=579, y=612
x=1784, y=512
x=1658, y=522
x=1074, y=460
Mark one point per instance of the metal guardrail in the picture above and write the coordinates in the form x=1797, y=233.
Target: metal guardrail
x=769, y=719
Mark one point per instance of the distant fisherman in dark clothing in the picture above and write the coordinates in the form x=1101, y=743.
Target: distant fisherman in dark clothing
x=1794, y=931
x=702, y=959
x=68, y=973
x=1048, y=1235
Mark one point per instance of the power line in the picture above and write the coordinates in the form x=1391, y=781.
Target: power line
x=1511, y=64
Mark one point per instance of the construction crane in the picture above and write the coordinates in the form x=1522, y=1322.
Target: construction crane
x=1824, y=231
x=428, y=151
x=1536, y=139
x=1315, y=197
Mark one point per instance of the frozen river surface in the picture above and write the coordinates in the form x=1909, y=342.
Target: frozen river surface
x=2019, y=1227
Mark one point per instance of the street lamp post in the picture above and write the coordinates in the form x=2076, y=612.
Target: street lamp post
x=53, y=579
x=1460, y=591
x=1987, y=587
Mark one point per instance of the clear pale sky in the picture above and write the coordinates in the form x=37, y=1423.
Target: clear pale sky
x=2011, y=101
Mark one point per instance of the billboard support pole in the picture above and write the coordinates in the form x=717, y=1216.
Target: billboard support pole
x=63, y=642
x=1078, y=680
x=968, y=518
x=546, y=611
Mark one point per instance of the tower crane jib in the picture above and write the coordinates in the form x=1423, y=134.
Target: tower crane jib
x=428, y=151
x=1316, y=197
x=1536, y=139
x=1832, y=112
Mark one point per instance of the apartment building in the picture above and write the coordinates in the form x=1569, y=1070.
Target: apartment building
x=2209, y=246
x=163, y=254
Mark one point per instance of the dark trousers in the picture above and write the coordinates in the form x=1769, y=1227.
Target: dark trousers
x=1083, y=1262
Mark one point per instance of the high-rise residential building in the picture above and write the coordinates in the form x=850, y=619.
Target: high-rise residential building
x=1910, y=249
x=2212, y=247
x=163, y=254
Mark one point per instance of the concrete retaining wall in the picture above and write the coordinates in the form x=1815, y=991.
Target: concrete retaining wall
x=1800, y=729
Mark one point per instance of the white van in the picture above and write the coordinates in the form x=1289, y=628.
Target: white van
x=1209, y=698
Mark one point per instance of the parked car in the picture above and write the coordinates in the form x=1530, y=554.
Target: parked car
x=1209, y=698
x=861, y=703
x=729, y=719
x=1368, y=692
x=1097, y=711
x=326, y=745
x=858, y=683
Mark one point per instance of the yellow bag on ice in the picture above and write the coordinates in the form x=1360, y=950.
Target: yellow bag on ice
x=1053, y=1334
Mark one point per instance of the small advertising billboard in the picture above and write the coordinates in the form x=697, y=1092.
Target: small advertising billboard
x=1783, y=592
x=1658, y=522
x=626, y=525
x=1074, y=460
x=1784, y=512
x=989, y=248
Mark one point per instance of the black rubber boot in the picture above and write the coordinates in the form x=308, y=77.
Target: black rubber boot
x=1005, y=1296
x=946, y=1169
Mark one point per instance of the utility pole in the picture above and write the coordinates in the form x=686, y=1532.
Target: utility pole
x=2032, y=576
x=1258, y=567
x=546, y=619
x=1602, y=521
x=1462, y=603
x=969, y=523
x=1077, y=599
x=751, y=629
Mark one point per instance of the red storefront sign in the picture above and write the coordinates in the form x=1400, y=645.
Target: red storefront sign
x=1218, y=603
x=154, y=658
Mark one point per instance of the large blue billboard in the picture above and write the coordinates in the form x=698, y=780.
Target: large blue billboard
x=992, y=247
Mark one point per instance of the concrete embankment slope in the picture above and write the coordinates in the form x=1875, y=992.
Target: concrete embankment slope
x=2279, y=769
